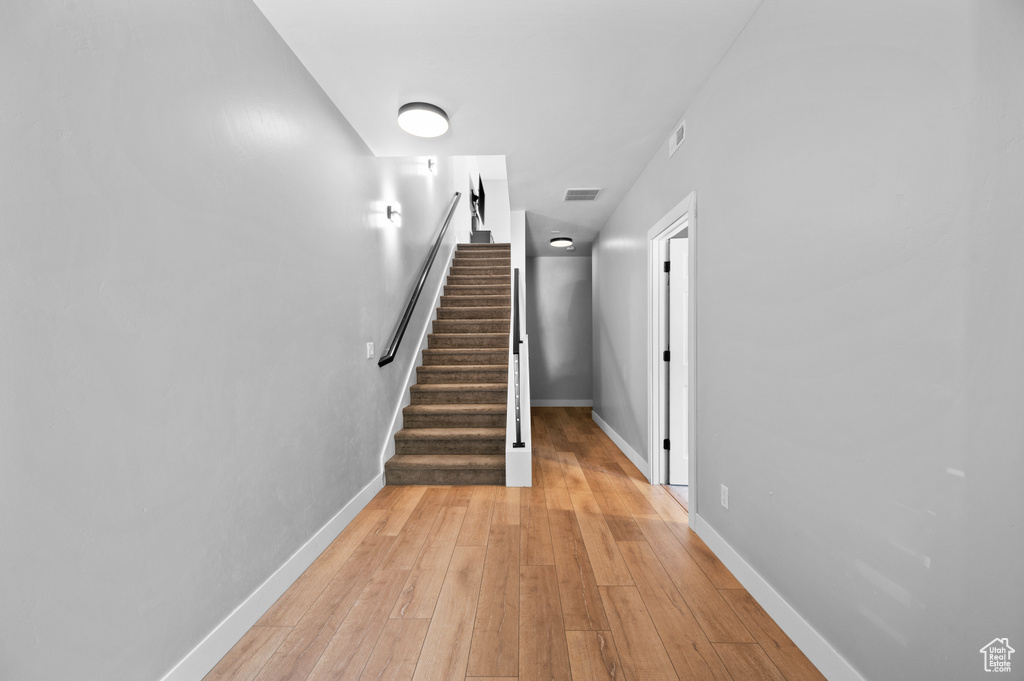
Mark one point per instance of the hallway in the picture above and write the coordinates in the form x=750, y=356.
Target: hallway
x=590, y=574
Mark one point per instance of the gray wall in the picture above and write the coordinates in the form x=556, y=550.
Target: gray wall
x=192, y=257
x=558, y=319
x=858, y=169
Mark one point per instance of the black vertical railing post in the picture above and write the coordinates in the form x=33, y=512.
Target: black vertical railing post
x=515, y=357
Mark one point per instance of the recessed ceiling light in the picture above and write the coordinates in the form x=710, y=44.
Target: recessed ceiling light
x=561, y=242
x=422, y=119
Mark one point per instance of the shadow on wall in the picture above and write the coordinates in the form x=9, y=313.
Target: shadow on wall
x=579, y=364
x=614, y=373
x=560, y=327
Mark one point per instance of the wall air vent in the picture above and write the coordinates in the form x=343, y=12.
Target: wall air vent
x=677, y=137
x=581, y=194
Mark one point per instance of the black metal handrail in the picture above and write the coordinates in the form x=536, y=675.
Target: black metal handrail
x=515, y=313
x=403, y=323
x=515, y=356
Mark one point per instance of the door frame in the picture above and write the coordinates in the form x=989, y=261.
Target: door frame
x=682, y=216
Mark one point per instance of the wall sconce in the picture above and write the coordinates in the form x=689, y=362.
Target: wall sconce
x=432, y=166
x=393, y=214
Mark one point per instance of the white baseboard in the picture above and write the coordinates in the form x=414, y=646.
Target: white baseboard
x=638, y=461
x=562, y=403
x=819, y=651
x=203, y=658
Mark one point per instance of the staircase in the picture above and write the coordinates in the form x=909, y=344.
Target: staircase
x=454, y=430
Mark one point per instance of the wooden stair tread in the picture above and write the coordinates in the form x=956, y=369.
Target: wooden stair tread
x=471, y=461
x=499, y=271
x=470, y=333
x=449, y=433
x=495, y=289
x=460, y=301
x=459, y=387
x=470, y=326
x=476, y=313
x=502, y=299
x=455, y=409
x=460, y=356
x=461, y=280
x=461, y=367
x=475, y=320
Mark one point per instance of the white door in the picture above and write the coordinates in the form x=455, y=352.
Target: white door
x=678, y=366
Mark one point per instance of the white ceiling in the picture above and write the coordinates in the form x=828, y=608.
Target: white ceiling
x=574, y=93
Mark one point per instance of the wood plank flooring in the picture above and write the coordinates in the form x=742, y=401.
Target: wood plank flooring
x=591, y=574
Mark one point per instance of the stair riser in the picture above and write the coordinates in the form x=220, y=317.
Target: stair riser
x=503, y=263
x=457, y=359
x=474, y=301
x=470, y=326
x=478, y=281
x=443, y=476
x=500, y=290
x=484, y=248
x=494, y=288
x=474, y=313
x=432, y=376
x=467, y=340
x=482, y=263
x=484, y=255
x=460, y=397
x=483, y=271
x=481, y=446
x=453, y=420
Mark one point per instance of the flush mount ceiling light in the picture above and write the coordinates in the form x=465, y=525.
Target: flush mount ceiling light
x=561, y=242
x=422, y=119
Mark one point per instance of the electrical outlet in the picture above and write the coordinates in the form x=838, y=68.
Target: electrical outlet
x=725, y=497
x=369, y=351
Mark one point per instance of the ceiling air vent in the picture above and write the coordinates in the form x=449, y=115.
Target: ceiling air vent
x=581, y=194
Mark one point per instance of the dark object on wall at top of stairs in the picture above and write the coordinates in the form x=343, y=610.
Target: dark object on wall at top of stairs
x=480, y=236
x=454, y=428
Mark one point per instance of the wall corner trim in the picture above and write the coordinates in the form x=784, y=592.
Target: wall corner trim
x=201, y=659
x=818, y=650
x=631, y=454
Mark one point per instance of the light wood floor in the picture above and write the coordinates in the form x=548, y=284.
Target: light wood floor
x=590, y=574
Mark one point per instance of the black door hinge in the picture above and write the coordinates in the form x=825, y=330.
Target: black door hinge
x=667, y=443
x=668, y=266
x=667, y=355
